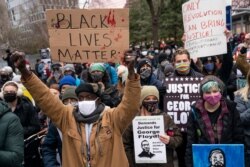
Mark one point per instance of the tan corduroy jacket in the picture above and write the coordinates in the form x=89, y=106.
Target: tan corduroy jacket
x=106, y=147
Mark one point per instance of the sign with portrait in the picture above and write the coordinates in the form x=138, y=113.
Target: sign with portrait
x=181, y=93
x=88, y=35
x=204, y=25
x=218, y=155
x=148, y=147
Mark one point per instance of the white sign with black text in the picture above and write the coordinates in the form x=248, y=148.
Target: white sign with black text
x=147, y=145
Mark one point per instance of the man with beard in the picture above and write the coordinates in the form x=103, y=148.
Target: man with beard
x=217, y=158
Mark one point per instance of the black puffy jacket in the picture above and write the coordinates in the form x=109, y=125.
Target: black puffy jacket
x=28, y=116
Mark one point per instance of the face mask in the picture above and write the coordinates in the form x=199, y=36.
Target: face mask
x=182, y=67
x=87, y=107
x=97, y=77
x=144, y=53
x=145, y=73
x=10, y=97
x=209, y=67
x=150, y=106
x=168, y=52
x=212, y=99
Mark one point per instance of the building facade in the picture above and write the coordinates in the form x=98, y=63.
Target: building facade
x=241, y=16
x=25, y=12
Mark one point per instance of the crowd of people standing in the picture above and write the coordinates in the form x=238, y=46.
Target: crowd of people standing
x=81, y=114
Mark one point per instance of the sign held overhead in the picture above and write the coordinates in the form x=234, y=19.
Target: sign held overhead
x=82, y=35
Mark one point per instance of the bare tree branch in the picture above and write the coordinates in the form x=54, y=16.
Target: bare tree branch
x=151, y=7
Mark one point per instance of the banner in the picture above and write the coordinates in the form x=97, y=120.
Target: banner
x=204, y=25
x=181, y=93
x=82, y=35
x=148, y=147
x=213, y=155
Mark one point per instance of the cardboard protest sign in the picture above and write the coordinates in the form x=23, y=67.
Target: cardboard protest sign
x=88, y=35
x=204, y=24
x=181, y=93
x=148, y=147
x=224, y=155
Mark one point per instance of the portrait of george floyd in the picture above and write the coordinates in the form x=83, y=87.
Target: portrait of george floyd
x=145, y=150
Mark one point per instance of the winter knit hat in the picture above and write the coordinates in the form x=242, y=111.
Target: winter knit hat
x=69, y=67
x=168, y=68
x=69, y=93
x=215, y=79
x=97, y=67
x=90, y=88
x=148, y=91
x=67, y=80
x=162, y=57
x=143, y=62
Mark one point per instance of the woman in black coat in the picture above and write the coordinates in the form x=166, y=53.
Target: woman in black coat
x=213, y=119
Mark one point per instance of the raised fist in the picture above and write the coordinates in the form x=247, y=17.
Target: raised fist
x=18, y=59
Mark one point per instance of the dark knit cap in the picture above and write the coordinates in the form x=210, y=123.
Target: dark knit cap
x=162, y=57
x=86, y=87
x=67, y=80
x=215, y=79
x=168, y=68
x=206, y=59
x=143, y=62
x=69, y=94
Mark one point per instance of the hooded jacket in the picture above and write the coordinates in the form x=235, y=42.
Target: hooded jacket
x=106, y=147
x=11, y=138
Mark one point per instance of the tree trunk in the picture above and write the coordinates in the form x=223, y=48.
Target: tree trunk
x=155, y=18
x=155, y=25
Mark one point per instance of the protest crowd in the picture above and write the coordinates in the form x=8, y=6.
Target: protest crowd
x=83, y=114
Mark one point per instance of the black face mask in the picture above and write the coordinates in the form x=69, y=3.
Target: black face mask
x=150, y=106
x=10, y=97
x=97, y=77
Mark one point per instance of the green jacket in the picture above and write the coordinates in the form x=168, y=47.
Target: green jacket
x=11, y=138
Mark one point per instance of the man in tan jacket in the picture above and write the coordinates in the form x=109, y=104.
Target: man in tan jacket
x=91, y=132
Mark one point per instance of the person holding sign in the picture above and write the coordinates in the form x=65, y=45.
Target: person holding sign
x=182, y=64
x=91, y=131
x=213, y=119
x=171, y=138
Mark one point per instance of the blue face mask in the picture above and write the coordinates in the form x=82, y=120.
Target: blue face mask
x=209, y=67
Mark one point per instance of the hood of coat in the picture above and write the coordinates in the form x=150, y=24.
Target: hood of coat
x=4, y=108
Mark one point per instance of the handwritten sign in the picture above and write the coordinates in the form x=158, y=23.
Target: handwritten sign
x=148, y=147
x=181, y=93
x=82, y=35
x=204, y=25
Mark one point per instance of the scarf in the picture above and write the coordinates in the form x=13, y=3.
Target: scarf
x=90, y=118
x=206, y=120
